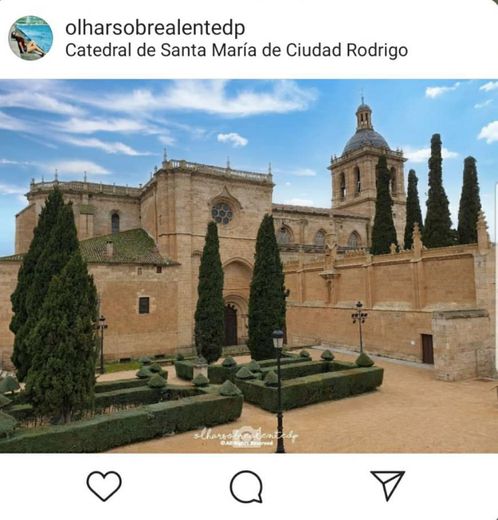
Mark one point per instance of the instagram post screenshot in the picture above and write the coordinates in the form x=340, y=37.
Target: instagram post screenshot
x=248, y=259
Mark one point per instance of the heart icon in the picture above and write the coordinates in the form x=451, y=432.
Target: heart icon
x=103, y=485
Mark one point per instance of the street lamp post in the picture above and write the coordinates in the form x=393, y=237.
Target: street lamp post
x=278, y=342
x=359, y=317
x=102, y=326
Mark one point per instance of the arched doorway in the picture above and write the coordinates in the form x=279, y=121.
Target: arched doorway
x=230, y=325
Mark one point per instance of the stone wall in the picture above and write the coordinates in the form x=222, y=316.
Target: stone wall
x=448, y=293
x=129, y=334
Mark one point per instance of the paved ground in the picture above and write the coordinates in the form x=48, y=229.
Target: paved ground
x=411, y=412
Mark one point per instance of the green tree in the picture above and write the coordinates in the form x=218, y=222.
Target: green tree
x=25, y=280
x=383, y=232
x=470, y=204
x=210, y=310
x=413, y=212
x=61, y=379
x=437, y=228
x=267, y=295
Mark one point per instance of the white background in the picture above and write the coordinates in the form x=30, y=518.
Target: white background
x=446, y=39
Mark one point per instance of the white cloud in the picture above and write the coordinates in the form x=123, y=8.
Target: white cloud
x=304, y=172
x=9, y=189
x=288, y=183
x=108, y=147
x=11, y=123
x=489, y=132
x=420, y=155
x=75, y=168
x=166, y=139
x=89, y=126
x=483, y=104
x=489, y=86
x=299, y=202
x=212, y=96
x=16, y=163
x=434, y=92
x=232, y=138
x=24, y=97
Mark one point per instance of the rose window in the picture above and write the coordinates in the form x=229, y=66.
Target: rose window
x=222, y=213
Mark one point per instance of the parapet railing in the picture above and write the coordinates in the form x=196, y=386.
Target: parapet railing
x=217, y=170
x=83, y=186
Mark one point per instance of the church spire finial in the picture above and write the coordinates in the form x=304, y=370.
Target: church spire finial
x=165, y=155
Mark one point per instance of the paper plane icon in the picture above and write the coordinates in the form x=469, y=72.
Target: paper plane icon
x=389, y=481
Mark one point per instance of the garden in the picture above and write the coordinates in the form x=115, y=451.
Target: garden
x=56, y=404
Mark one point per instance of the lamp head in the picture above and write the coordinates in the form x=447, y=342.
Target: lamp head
x=278, y=339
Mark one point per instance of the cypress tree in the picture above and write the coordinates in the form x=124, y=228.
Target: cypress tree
x=25, y=279
x=62, y=242
x=383, y=232
x=437, y=228
x=267, y=294
x=470, y=204
x=413, y=212
x=210, y=310
x=61, y=379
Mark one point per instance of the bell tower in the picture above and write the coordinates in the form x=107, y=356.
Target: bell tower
x=354, y=180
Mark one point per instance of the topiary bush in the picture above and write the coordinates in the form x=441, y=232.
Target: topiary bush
x=327, y=355
x=145, y=360
x=254, y=366
x=9, y=384
x=200, y=380
x=229, y=389
x=271, y=379
x=229, y=362
x=156, y=381
x=4, y=401
x=364, y=361
x=144, y=373
x=305, y=354
x=244, y=373
x=180, y=356
x=156, y=368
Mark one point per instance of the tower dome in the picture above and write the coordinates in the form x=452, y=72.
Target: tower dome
x=365, y=134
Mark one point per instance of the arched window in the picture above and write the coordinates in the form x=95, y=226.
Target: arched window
x=320, y=238
x=115, y=223
x=357, y=180
x=393, y=181
x=354, y=240
x=342, y=186
x=284, y=235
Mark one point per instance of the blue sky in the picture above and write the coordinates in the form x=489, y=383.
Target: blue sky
x=116, y=131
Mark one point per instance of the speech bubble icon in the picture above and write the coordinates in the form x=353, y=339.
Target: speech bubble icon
x=246, y=487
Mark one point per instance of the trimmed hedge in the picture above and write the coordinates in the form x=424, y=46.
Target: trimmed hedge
x=218, y=374
x=121, y=397
x=7, y=425
x=120, y=384
x=311, y=389
x=105, y=432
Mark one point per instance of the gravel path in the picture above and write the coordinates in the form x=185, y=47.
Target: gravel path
x=411, y=412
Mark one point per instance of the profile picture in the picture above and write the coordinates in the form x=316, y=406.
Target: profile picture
x=30, y=38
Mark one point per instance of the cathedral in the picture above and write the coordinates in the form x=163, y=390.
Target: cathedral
x=143, y=246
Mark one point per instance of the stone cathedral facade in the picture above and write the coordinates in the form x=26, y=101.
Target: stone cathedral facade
x=143, y=246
